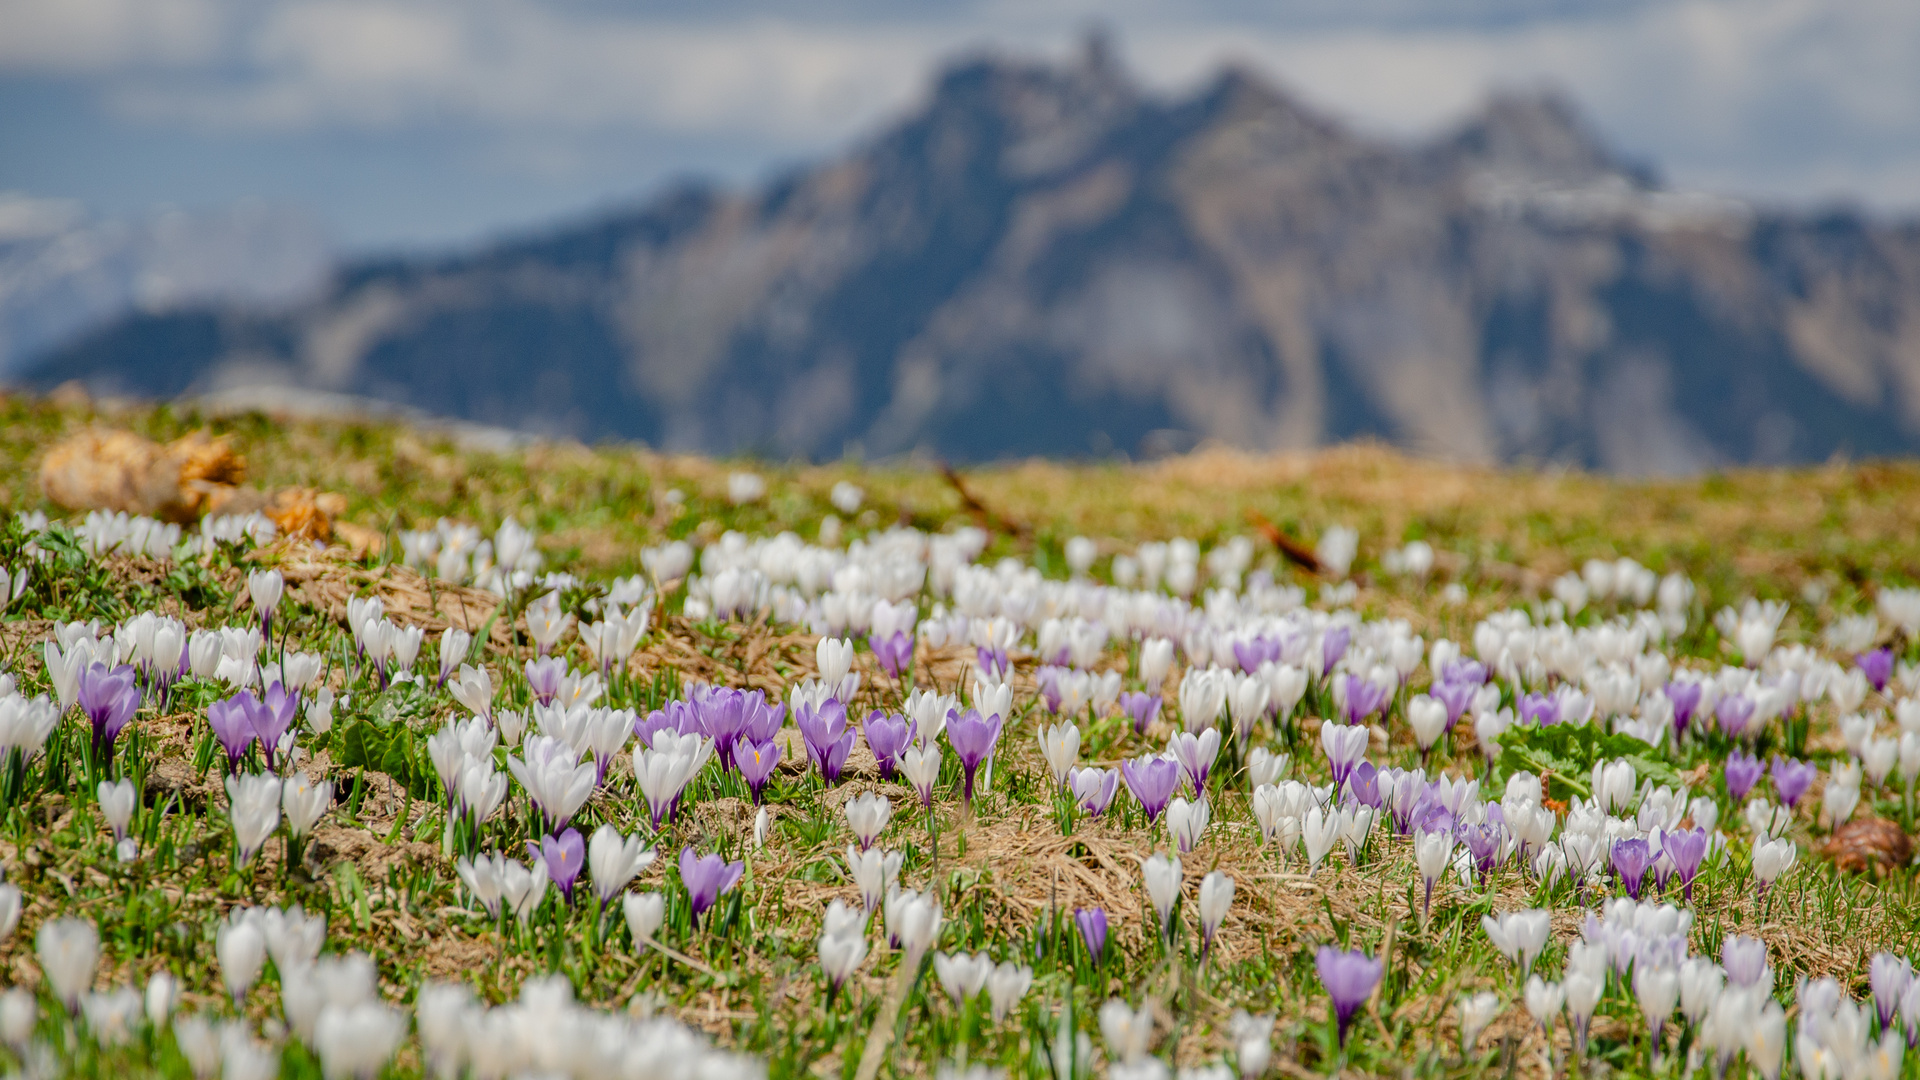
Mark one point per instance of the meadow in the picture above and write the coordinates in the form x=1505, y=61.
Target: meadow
x=601, y=762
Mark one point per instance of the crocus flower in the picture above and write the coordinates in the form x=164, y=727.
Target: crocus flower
x=1484, y=842
x=1877, y=666
x=707, y=878
x=1345, y=747
x=109, y=697
x=1094, y=788
x=1456, y=696
x=1216, y=896
x=1791, y=778
x=1744, y=958
x=271, y=715
x=1333, y=646
x=1888, y=975
x=1152, y=780
x=1686, y=700
x=756, y=762
x=1363, y=785
x=1093, y=931
x=1539, y=710
x=894, y=652
x=1364, y=698
x=1734, y=711
x=1742, y=772
x=232, y=723
x=543, y=678
x=1141, y=707
x=1349, y=978
x=887, y=736
x=1687, y=849
x=829, y=740
x=1631, y=860
x=993, y=663
x=722, y=714
x=1196, y=754
x=563, y=855
x=921, y=766
x=973, y=738
x=1432, y=853
x=253, y=809
x=759, y=720
x=614, y=860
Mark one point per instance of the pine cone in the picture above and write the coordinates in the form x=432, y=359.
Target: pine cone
x=1868, y=843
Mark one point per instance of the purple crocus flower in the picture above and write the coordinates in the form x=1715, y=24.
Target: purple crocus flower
x=1889, y=976
x=1734, y=711
x=1142, y=707
x=760, y=721
x=1412, y=805
x=993, y=662
x=1349, y=978
x=1686, y=849
x=1252, y=652
x=1363, y=785
x=895, y=651
x=1456, y=696
x=888, y=736
x=1047, y=679
x=109, y=697
x=271, y=716
x=829, y=740
x=722, y=714
x=1792, y=778
x=1153, y=780
x=1364, y=698
x=232, y=723
x=1464, y=672
x=756, y=762
x=1093, y=931
x=1686, y=699
x=543, y=678
x=1631, y=860
x=707, y=878
x=1744, y=958
x=564, y=855
x=676, y=716
x=1484, y=842
x=1095, y=798
x=1333, y=646
x=1742, y=772
x=973, y=738
x=1876, y=665
x=1539, y=710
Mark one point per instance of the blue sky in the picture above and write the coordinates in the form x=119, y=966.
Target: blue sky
x=403, y=123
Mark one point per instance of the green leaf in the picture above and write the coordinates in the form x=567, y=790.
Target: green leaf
x=1568, y=752
x=391, y=749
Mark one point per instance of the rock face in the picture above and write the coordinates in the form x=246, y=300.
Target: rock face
x=1050, y=261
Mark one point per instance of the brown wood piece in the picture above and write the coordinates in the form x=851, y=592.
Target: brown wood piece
x=1296, y=552
x=982, y=513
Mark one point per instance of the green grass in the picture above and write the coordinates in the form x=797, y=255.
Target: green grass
x=1824, y=539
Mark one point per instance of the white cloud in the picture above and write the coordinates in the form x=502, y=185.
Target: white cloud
x=1803, y=96
x=88, y=36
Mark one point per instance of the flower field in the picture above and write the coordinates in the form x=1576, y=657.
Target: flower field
x=593, y=763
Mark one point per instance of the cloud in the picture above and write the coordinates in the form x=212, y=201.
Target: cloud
x=516, y=64
x=95, y=36
x=1794, y=96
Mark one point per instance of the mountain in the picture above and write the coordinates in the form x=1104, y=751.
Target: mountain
x=1048, y=260
x=62, y=272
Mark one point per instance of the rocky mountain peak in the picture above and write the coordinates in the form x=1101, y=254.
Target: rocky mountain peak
x=1538, y=136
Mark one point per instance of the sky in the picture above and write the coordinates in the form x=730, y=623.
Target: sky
x=402, y=124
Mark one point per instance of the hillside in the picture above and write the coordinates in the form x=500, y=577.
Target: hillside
x=1048, y=260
